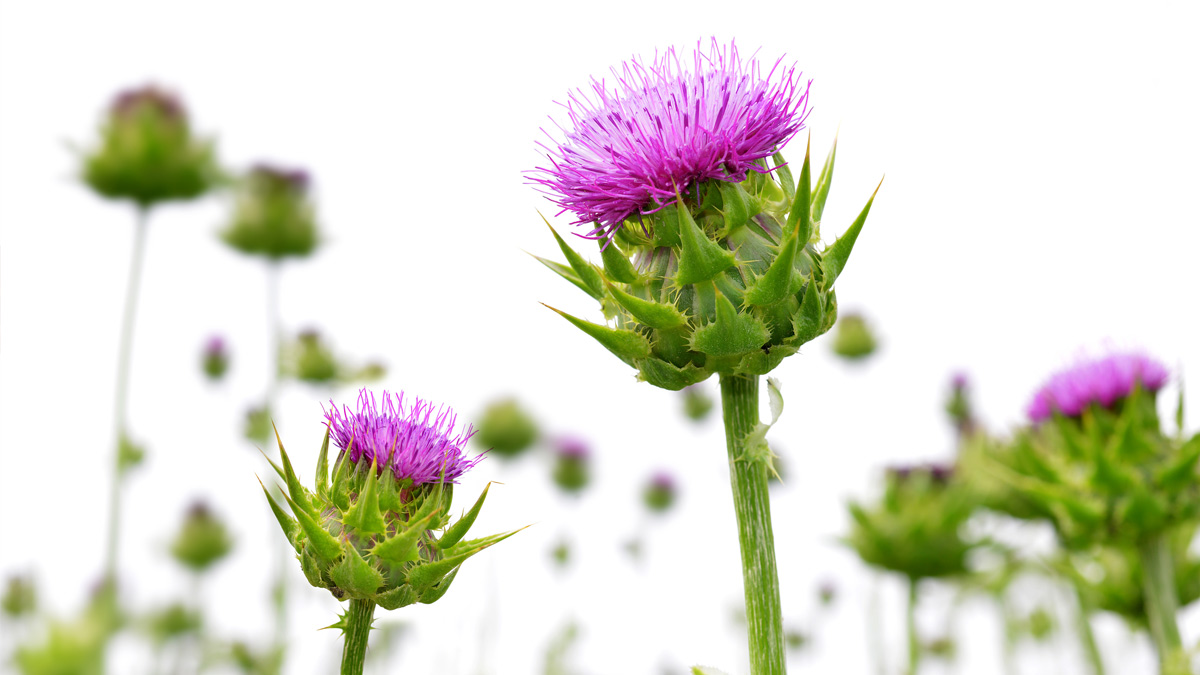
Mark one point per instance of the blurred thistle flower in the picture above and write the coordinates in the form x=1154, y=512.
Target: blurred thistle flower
x=852, y=338
x=368, y=534
x=561, y=553
x=256, y=426
x=697, y=404
x=309, y=358
x=506, y=429
x=827, y=592
x=20, y=596
x=202, y=539
x=660, y=491
x=273, y=215
x=1104, y=381
x=147, y=153
x=958, y=404
x=172, y=622
x=572, y=458
x=215, y=358
x=710, y=263
x=665, y=128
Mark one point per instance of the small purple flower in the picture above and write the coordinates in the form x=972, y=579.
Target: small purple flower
x=296, y=179
x=664, y=127
x=415, y=442
x=1105, y=380
x=215, y=346
x=149, y=96
x=572, y=446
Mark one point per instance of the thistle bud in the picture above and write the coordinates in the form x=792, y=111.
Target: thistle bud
x=215, y=358
x=506, y=429
x=20, y=596
x=572, y=459
x=697, y=404
x=310, y=359
x=379, y=529
x=827, y=593
x=147, y=153
x=958, y=404
x=273, y=216
x=202, y=540
x=659, y=493
x=256, y=426
x=853, y=339
x=171, y=622
x=709, y=247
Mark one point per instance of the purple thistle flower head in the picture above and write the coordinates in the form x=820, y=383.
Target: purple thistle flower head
x=1105, y=380
x=149, y=96
x=415, y=442
x=666, y=126
x=572, y=447
x=215, y=346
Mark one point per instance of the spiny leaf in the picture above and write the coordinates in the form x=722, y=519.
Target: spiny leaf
x=402, y=547
x=616, y=264
x=774, y=284
x=627, y=345
x=583, y=269
x=295, y=488
x=364, y=516
x=290, y=528
x=833, y=261
x=566, y=273
x=669, y=376
x=457, y=531
x=806, y=325
x=800, y=218
x=439, y=589
x=355, y=574
x=700, y=258
x=481, y=543
x=653, y=314
x=823, y=182
x=730, y=333
x=400, y=596
x=323, y=544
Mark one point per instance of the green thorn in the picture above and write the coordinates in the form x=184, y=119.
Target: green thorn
x=458, y=530
x=355, y=574
x=806, y=325
x=801, y=218
x=653, y=314
x=732, y=333
x=323, y=544
x=823, y=183
x=785, y=176
x=339, y=492
x=402, y=547
x=436, y=592
x=627, y=345
x=775, y=283
x=582, y=268
x=295, y=488
x=290, y=528
x=566, y=273
x=616, y=264
x=833, y=261
x=323, y=468
x=736, y=203
x=364, y=516
x=700, y=258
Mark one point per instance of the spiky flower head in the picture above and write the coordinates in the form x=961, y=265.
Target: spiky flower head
x=708, y=243
x=147, y=153
x=379, y=528
x=273, y=214
x=1103, y=381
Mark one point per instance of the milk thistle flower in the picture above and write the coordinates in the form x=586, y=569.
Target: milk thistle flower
x=273, y=214
x=1104, y=381
x=572, y=464
x=214, y=360
x=370, y=534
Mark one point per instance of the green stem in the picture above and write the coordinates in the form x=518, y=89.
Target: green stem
x=1162, y=605
x=914, y=641
x=1086, y=636
x=739, y=402
x=284, y=558
x=124, y=358
x=358, y=626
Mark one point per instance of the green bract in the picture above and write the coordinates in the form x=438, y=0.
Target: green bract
x=364, y=535
x=273, y=216
x=727, y=280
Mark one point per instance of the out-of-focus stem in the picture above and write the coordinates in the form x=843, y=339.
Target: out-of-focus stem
x=1162, y=605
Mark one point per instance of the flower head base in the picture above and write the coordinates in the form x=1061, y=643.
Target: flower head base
x=146, y=152
x=506, y=429
x=1103, y=381
x=416, y=443
x=273, y=215
x=379, y=528
x=666, y=127
x=215, y=359
x=659, y=493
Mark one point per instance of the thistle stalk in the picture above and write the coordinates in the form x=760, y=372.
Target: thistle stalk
x=1090, y=649
x=124, y=358
x=1162, y=605
x=914, y=641
x=358, y=627
x=751, y=503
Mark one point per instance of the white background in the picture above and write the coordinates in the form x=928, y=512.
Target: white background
x=1040, y=197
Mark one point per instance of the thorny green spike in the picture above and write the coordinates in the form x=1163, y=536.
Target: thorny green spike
x=731, y=333
x=616, y=264
x=823, y=182
x=700, y=259
x=340, y=490
x=458, y=530
x=800, y=217
x=627, y=345
x=294, y=486
x=835, y=257
x=323, y=544
x=481, y=543
x=775, y=283
x=568, y=274
x=439, y=589
x=290, y=528
x=389, y=495
x=583, y=269
x=323, y=468
x=653, y=314
x=806, y=325
x=737, y=210
x=402, y=548
x=355, y=574
x=364, y=515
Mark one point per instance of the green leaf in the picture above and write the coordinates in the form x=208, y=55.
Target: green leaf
x=653, y=314
x=323, y=468
x=668, y=376
x=323, y=544
x=400, y=596
x=356, y=575
x=775, y=283
x=700, y=258
x=627, y=345
x=435, y=593
x=800, y=218
x=290, y=528
x=731, y=333
x=823, y=182
x=364, y=516
x=737, y=205
x=568, y=274
x=583, y=269
x=616, y=264
x=457, y=531
x=833, y=261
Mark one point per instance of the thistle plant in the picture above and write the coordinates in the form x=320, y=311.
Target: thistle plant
x=377, y=531
x=709, y=250
x=1097, y=465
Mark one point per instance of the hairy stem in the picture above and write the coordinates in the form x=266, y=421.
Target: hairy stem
x=739, y=402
